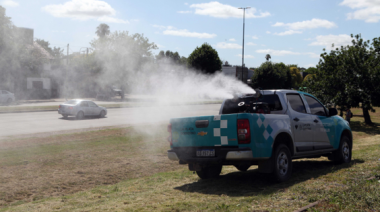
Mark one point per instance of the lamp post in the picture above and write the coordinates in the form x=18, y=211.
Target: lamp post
x=242, y=62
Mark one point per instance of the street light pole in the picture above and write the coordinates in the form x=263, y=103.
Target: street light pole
x=242, y=62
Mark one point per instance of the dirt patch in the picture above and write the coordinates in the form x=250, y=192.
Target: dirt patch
x=35, y=168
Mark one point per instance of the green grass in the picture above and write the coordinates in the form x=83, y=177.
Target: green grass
x=347, y=187
x=151, y=186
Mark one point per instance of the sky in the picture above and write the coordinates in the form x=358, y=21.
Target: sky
x=292, y=31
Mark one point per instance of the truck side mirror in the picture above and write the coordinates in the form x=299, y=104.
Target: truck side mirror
x=333, y=112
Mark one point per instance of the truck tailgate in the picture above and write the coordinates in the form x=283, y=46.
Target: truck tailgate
x=220, y=130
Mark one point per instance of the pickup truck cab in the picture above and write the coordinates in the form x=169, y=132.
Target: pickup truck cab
x=268, y=129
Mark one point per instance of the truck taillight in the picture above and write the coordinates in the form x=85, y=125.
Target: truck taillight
x=170, y=136
x=244, y=132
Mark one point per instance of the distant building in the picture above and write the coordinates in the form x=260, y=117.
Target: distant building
x=236, y=71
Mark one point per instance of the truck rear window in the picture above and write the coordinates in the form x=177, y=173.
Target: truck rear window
x=231, y=105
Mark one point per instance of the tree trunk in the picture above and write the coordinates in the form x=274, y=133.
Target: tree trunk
x=367, y=118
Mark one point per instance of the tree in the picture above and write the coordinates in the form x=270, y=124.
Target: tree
x=350, y=76
x=267, y=57
x=45, y=44
x=102, y=30
x=160, y=55
x=311, y=70
x=205, y=59
x=171, y=56
x=308, y=77
x=271, y=76
x=183, y=61
x=296, y=76
x=121, y=56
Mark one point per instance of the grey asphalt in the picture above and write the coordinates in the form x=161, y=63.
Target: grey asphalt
x=14, y=124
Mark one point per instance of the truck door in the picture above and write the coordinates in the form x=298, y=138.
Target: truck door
x=323, y=125
x=301, y=123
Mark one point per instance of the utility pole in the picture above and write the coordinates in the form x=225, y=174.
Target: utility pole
x=242, y=62
x=87, y=53
x=67, y=56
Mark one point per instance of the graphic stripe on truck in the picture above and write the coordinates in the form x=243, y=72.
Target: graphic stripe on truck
x=223, y=125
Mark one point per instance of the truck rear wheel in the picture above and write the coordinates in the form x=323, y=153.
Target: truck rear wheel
x=210, y=172
x=282, y=163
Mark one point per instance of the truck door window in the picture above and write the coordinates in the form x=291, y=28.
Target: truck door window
x=316, y=108
x=296, y=102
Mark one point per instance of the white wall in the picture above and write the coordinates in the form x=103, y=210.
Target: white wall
x=229, y=71
x=45, y=82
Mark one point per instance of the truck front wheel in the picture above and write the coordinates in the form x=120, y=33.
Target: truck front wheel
x=343, y=154
x=209, y=172
x=282, y=163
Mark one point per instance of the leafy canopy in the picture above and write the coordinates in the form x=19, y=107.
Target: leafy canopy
x=349, y=76
x=272, y=76
x=205, y=59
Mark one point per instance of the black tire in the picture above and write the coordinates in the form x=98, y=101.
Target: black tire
x=80, y=115
x=282, y=163
x=210, y=172
x=243, y=167
x=102, y=114
x=65, y=116
x=344, y=153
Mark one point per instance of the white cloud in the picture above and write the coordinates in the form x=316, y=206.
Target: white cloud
x=251, y=44
x=9, y=3
x=84, y=10
x=224, y=45
x=255, y=37
x=232, y=39
x=312, y=24
x=184, y=12
x=289, y=32
x=246, y=56
x=328, y=40
x=313, y=55
x=159, y=46
x=368, y=10
x=277, y=52
x=186, y=3
x=309, y=65
x=218, y=10
x=186, y=33
x=109, y=19
x=170, y=30
x=268, y=32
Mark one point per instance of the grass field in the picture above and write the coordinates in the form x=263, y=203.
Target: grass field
x=128, y=170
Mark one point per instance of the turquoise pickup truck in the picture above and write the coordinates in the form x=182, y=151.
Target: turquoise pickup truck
x=268, y=129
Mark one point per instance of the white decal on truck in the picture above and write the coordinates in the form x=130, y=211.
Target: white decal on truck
x=223, y=125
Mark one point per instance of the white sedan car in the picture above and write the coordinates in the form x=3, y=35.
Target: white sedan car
x=81, y=108
x=6, y=97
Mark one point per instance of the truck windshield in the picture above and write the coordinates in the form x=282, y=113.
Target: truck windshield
x=232, y=105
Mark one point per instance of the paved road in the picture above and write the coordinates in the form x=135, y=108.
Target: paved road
x=12, y=124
